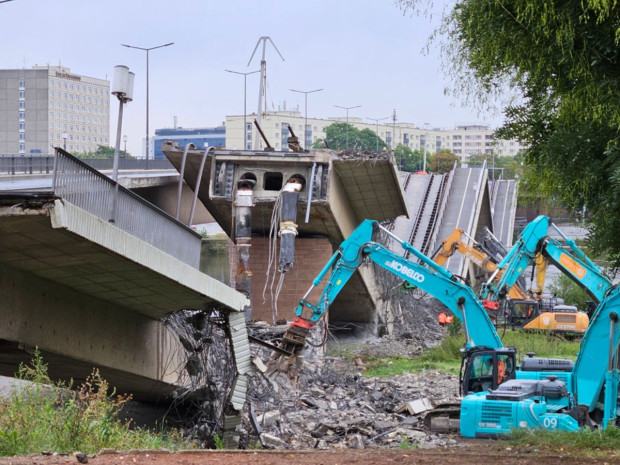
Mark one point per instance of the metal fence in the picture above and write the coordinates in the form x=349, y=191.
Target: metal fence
x=86, y=188
x=43, y=164
x=39, y=164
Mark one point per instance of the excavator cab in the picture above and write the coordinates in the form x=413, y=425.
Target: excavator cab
x=483, y=368
x=518, y=312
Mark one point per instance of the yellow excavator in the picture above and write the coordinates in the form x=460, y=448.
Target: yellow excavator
x=523, y=309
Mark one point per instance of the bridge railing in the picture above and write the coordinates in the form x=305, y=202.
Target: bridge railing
x=34, y=164
x=88, y=189
x=43, y=164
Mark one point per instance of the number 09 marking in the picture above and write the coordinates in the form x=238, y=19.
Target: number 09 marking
x=550, y=423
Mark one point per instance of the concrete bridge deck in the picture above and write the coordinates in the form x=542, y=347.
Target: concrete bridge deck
x=89, y=294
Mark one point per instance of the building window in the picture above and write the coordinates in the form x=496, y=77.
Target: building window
x=22, y=125
x=22, y=105
x=22, y=83
x=22, y=147
x=22, y=136
x=22, y=115
x=22, y=94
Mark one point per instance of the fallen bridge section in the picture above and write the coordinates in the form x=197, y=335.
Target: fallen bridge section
x=89, y=294
x=339, y=190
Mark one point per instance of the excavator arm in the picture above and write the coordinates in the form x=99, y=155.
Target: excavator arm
x=595, y=375
x=454, y=243
x=534, y=239
x=427, y=275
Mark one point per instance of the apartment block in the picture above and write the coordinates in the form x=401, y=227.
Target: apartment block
x=464, y=140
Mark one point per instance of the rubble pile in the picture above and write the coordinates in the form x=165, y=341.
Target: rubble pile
x=335, y=406
x=341, y=409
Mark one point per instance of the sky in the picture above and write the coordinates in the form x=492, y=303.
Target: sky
x=360, y=52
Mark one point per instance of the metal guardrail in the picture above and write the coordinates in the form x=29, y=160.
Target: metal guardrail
x=43, y=164
x=86, y=188
x=13, y=165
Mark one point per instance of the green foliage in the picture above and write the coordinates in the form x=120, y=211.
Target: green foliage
x=442, y=162
x=560, y=61
x=456, y=328
x=104, y=152
x=447, y=356
x=340, y=136
x=605, y=442
x=564, y=287
x=409, y=159
x=41, y=416
x=406, y=444
x=543, y=345
x=218, y=442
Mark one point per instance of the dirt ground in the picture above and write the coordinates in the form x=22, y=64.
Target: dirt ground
x=494, y=452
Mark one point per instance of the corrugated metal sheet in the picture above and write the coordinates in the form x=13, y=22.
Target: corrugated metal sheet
x=241, y=352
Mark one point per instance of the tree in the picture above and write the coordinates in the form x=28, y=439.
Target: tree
x=105, y=152
x=562, y=61
x=360, y=141
x=443, y=162
x=409, y=159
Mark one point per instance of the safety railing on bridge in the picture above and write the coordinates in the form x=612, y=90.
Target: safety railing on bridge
x=44, y=164
x=26, y=164
x=88, y=189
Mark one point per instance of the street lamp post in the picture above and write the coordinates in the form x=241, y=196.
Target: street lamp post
x=147, y=50
x=306, y=92
x=122, y=88
x=347, y=109
x=426, y=125
x=65, y=136
x=125, y=141
x=376, y=120
x=245, y=75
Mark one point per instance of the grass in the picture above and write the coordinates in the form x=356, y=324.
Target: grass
x=44, y=416
x=447, y=357
x=589, y=442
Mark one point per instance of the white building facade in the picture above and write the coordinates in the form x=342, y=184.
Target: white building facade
x=46, y=107
x=464, y=141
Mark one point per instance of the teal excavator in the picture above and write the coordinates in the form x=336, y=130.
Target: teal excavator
x=483, y=347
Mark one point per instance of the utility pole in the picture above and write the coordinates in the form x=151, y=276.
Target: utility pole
x=394, y=139
x=426, y=125
x=263, y=83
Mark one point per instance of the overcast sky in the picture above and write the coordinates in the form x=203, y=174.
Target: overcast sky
x=361, y=52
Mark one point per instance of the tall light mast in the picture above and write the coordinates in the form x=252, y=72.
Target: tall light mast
x=263, y=84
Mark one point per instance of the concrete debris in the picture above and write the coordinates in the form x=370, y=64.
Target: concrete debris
x=419, y=406
x=336, y=407
x=260, y=366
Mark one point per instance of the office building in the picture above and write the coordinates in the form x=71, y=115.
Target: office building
x=49, y=106
x=200, y=137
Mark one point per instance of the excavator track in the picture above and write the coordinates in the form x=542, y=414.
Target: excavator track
x=444, y=418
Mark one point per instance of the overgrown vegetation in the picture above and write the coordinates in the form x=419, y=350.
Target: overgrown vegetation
x=571, y=292
x=47, y=416
x=447, y=357
x=589, y=442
